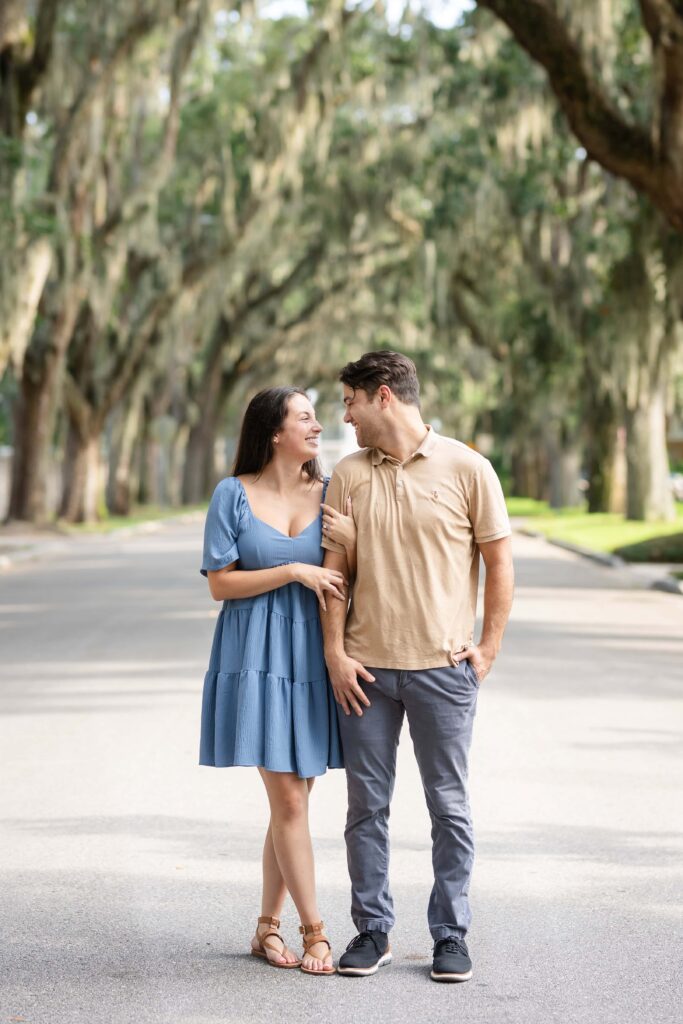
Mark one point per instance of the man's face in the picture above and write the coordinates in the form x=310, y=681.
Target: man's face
x=364, y=415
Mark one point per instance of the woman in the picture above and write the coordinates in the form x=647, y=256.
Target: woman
x=267, y=700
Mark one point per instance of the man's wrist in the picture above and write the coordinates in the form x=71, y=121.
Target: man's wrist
x=489, y=647
x=334, y=653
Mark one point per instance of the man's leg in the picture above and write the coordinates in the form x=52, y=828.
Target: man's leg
x=370, y=743
x=440, y=705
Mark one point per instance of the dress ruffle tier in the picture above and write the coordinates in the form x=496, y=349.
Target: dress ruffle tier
x=267, y=699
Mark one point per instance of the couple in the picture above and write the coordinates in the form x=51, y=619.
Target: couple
x=403, y=523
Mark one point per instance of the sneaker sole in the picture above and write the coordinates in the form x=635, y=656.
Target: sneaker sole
x=451, y=977
x=363, y=972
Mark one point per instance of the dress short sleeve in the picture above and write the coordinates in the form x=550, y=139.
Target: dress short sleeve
x=222, y=526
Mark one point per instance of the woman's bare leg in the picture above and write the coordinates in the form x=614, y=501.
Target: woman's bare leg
x=291, y=841
x=272, y=900
x=274, y=888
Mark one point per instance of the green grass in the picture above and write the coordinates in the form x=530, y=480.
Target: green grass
x=608, y=532
x=141, y=514
x=527, y=507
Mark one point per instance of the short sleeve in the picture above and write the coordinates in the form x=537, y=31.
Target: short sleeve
x=488, y=513
x=222, y=526
x=335, y=497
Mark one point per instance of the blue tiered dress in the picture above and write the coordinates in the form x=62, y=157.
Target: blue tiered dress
x=267, y=698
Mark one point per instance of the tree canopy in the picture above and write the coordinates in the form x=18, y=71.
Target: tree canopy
x=197, y=199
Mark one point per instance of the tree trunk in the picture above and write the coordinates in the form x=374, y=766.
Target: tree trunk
x=199, y=475
x=618, y=473
x=35, y=409
x=150, y=463
x=81, y=477
x=648, y=492
x=177, y=462
x=25, y=274
x=25, y=264
x=646, y=286
x=34, y=417
x=601, y=436
x=148, y=459
x=527, y=472
x=123, y=482
x=199, y=472
x=565, y=469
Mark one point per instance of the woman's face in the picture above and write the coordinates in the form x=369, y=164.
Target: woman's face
x=299, y=435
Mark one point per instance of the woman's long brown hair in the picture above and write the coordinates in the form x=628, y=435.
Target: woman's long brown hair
x=265, y=415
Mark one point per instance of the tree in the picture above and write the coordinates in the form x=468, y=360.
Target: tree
x=647, y=152
x=90, y=215
x=26, y=55
x=607, y=116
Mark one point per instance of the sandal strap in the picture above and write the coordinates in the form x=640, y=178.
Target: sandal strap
x=273, y=921
x=314, y=942
x=315, y=931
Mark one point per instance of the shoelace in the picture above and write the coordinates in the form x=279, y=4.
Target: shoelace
x=452, y=945
x=362, y=940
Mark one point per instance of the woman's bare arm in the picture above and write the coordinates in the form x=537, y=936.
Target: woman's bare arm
x=231, y=583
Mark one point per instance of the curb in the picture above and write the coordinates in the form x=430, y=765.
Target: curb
x=667, y=583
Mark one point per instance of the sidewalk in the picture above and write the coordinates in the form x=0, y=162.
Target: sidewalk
x=651, y=575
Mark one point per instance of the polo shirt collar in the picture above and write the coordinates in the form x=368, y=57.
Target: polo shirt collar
x=426, y=448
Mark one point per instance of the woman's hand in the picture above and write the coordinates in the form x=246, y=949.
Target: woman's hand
x=338, y=527
x=321, y=580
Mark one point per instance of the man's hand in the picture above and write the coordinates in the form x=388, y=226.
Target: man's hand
x=481, y=658
x=344, y=672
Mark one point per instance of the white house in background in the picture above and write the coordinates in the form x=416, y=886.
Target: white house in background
x=334, y=449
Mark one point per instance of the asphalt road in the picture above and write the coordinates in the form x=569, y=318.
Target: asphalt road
x=130, y=876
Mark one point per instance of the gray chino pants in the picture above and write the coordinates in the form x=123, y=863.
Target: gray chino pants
x=440, y=705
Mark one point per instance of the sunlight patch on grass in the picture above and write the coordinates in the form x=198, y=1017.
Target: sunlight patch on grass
x=602, y=531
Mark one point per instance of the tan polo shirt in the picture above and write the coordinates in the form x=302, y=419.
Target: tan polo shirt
x=419, y=523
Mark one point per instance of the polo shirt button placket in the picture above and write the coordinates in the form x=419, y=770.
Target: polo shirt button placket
x=399, y=482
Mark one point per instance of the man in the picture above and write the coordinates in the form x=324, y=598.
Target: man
x=425, y=507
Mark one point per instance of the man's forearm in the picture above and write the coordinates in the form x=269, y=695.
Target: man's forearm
x=498, y=590
x=334, y=619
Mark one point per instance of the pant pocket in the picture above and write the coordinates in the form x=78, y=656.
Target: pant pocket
x=470, y=670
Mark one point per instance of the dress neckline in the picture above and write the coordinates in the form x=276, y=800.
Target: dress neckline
x=258, y=519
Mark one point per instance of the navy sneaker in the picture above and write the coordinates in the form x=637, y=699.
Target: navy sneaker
x=365, y=954
x=451, y=960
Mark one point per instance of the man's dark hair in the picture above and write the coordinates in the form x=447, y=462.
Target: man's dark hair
x=376, y=368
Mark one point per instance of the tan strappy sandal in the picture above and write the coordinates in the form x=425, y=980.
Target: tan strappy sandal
x=264, y=945
x=317, y=935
